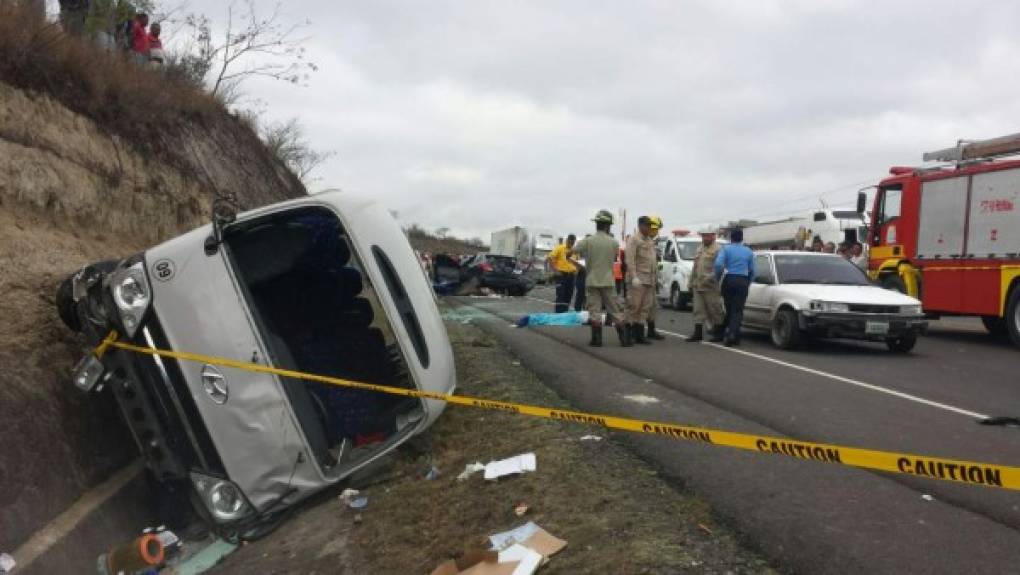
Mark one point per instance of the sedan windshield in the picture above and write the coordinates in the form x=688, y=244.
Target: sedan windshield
x=812, y=269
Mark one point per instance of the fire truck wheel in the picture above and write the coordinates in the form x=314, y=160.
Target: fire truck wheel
x=901, y=344
x=894, y=282
x=995, y=325
x=1013, y=315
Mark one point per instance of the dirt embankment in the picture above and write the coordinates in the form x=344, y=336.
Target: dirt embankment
x=72, y=191
x=616, y=514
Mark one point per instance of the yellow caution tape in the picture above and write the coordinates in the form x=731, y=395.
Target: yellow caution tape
x=954, y=470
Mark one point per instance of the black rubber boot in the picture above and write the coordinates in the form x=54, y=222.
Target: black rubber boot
x=596, y=336
x=652, y=334
x=698, y=334
x=623, y=330
x=639, y=334
x=717, y=334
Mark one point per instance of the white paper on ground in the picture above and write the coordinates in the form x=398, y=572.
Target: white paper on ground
x=512, y=466
x=529, y=559
x=469, y=470
x=520, y=534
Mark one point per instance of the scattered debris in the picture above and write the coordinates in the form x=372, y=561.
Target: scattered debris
x=642, y=399
x=515, y=362
x=469, y=470
x=357, y=519
x=591, y=438
x=528, y=560
x=432, y=473
x=7, y=563
x=519, y=551
x=139, y=554
x=649, y=381
x=519, y=534
x=205, y=559
x=521, y=509
x=705, y=529
x=511, y=466
x=350, y=498
x=927, y=497
x=466, y=321
x=475, y=562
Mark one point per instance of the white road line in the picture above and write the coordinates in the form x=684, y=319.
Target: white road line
x=831, y=376
x=62, y=524
x=840, y=378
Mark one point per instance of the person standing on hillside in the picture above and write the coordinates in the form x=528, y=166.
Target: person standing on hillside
x=737, y=261
x=599, y=251
x=702, y=284
x=640, y=258
x=140, y=38
x=564, y=272
x=155, y=44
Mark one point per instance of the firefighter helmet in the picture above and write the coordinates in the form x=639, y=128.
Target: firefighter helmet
x=655, y=222
x=603, y=217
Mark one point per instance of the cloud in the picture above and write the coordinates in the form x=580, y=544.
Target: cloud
x=481, y=115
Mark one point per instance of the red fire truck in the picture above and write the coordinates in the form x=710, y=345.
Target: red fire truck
x=950, y=235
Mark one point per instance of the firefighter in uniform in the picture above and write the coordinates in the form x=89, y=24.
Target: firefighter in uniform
x=703, y=286
x=599, y=251
x=656, y=223
x=641, y=264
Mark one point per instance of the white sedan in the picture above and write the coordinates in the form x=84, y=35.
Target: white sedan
x=801, y=294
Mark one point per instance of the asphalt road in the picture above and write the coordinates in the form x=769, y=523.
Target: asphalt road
x=808, y=516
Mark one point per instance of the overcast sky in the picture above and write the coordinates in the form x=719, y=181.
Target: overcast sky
x=479, y=115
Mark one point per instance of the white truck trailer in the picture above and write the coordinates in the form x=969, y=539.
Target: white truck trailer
x=797, y=232
x=529, y=245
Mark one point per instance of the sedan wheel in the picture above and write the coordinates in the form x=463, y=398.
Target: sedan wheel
x=785, y=331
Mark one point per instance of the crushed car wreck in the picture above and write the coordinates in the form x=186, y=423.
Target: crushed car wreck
x=326, y=284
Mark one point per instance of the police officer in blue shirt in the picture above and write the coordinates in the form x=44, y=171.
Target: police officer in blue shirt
x=737, y=262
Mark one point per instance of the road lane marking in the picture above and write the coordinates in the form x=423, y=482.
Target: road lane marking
x=858, y=383
x=833, y=376
x=53, y=532
x=641, y=399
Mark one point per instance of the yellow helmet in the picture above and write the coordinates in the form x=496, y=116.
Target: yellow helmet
x=655, y=222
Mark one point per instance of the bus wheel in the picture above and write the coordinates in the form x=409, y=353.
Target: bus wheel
x=1013, y=315
x=995, y=325
x=895, y=283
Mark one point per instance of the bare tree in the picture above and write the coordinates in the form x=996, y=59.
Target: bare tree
x=287, y=142
x=442, y=232
x=250, y=46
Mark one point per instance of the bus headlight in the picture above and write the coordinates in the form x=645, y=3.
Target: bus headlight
x=222, y=498
x=132, y=296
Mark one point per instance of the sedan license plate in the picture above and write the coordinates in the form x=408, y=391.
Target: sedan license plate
x=876, y=327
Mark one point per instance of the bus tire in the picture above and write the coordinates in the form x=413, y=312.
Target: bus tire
x=894, y=282
x=1013, y=315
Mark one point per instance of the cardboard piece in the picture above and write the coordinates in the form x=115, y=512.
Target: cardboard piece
x=476, y=562
x=545, y=543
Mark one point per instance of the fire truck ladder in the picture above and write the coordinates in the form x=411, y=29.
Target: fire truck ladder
x=977, y=150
